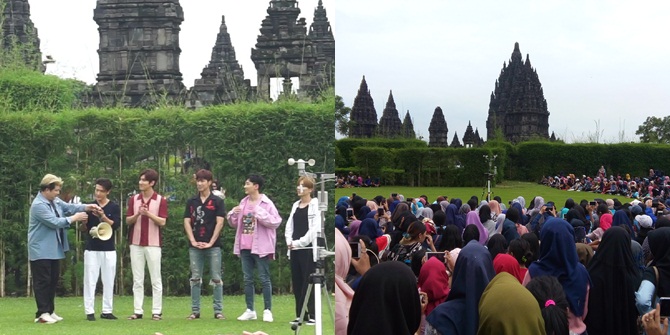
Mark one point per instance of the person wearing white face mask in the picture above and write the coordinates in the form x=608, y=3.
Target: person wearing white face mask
x=301, y=231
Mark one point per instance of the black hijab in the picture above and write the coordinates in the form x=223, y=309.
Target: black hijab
x=615, y=279
x=386, y=302
x=459, y=314
x=659, y=244
x=497, y=244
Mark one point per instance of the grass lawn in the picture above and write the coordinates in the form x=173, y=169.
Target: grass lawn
x=507, y=190
x=18, y=315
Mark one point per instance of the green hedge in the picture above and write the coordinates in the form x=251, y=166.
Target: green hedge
x=345, y=147
x=23, y=90
x=235, y=140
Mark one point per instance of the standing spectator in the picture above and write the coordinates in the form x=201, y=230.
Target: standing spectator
x=147, y=214
x=100, y=255
x=256, y=221
x=203, y=221
x=47, y=242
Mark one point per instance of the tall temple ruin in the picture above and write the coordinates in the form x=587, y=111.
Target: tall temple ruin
x=408, y=127
x=517, y=105
x=438, y=131
x=222, y=80
x=139, y=51
x=283, y=50
x=321, y=34
x=19, y=34
x=390, y=125
x=363, y=114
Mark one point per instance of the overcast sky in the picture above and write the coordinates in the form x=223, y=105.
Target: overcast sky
x=606, y=62
x=70, y=36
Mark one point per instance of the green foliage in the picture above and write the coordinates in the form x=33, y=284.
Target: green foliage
x=23, y=90
x=236, y=140
x=655, y=130
x=346, y=146
x=342, y=122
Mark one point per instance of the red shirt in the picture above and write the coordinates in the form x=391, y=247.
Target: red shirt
x=145, y=232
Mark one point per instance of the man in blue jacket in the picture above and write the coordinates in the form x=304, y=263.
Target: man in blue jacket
x=47, y=242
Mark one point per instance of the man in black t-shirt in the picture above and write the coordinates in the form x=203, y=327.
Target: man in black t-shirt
x=100, y=255
x=203, y=221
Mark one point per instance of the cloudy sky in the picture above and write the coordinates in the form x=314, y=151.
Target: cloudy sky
x=71, y=37
x=599, y=63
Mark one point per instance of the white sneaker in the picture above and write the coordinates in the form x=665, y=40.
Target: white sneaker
x=247, y=315
x=267, y=316
x=45, y=318
x=56, y=317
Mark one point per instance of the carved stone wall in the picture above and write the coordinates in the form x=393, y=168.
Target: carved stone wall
x=18, y=31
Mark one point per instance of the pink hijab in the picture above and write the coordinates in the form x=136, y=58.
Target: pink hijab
x=372, y=205
x=473, y=218
x=343, y=292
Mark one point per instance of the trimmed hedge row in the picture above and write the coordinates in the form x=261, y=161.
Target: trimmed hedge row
x=235, y=140
x=409, y=163
x=23, y=90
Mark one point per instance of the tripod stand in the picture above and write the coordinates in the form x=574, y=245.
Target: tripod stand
x=317, y=283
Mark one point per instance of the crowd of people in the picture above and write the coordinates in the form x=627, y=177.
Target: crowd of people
x=656, y=184
x=416, y=266
x=254, y=222
x=353, y=180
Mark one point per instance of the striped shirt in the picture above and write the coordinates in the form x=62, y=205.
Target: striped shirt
x=145, y=232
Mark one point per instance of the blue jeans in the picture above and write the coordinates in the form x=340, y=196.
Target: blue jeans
x=249, y=262
x=198, y=258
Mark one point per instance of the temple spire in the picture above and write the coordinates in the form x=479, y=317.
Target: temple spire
x=389, y=124
x=363, y=113
x=408, y=127
x=438, y=131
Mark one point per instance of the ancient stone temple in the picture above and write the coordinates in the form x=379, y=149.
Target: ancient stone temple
x=321, y=35
x=408, y=127
x=455, y=143
x=19, y=33
x=479, y=141
x=283, y=50
x=517, y=104
x=363, y=114
x=469, y=137
x=222, y=80
x=389, y=124
x=139, y=51
x=438, y=130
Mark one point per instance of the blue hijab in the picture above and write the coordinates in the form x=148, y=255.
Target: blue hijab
x=459, y=314
x=344, y=201
x=620, y=218
x=393, y=206
x=558, y=258
x=370, y=228
x=452, y=218
x=522, y=217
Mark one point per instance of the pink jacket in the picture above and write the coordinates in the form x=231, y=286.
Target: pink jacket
x=265, y=235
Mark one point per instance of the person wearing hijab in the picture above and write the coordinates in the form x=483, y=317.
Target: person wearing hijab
x=508, y=228
x=522, y=202
x=470, y=233
x=507, y=308
x=341, y=220
x=372, y=205
x=550, y=297
x=444, y=205
x=427, y=213
x=507, y=263
x=514, y=216
x=585, y=253
x=370, y=228
x=343, y=292
x=569, y=204
x=434, y=281
x=558, y=258
x=487, y=222
x=520, y=250
x=534, y=244
x=497, y=244
x=497, y=214
x=386, y=304
x=615, y=278
x=651, y=287
x=473, y=219
x=343, y=201
x=452, y=218
x=451, y=239
x=458, y=202
x=459, y=314
x=621, y=218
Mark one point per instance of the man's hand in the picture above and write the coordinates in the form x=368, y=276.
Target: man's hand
x=236, y=210
x=81, y=216
x=93, y=208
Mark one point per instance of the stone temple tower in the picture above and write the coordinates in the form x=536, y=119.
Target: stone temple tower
x=18, y=31
x=363, y=114
x=139, y=51
x=517, y=106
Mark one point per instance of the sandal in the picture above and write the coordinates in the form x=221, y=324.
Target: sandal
x=156, y=317
x=135, y=316
x=219, y=316
x=193, y=316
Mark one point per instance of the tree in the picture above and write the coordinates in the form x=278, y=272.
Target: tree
x=655, y=130
x=342, y=122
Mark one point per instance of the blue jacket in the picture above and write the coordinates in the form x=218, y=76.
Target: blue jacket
x=47, y=238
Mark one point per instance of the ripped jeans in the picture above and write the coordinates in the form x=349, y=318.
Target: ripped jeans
x=198, y=257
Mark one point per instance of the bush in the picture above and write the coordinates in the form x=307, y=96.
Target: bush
x=23, y=90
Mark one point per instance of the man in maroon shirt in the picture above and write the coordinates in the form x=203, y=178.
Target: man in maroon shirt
x=147, y=214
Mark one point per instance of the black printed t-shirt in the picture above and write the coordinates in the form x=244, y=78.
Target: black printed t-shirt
x=203, y=217
x=112, y=211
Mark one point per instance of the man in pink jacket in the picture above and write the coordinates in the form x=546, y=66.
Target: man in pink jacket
x=256, y=221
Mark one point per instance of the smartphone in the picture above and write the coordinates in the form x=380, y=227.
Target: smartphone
x=549, y=208
x=438, y=254
x=593, y=203
x=350, y=212
x=380, y=211
x=355, y=249
x=665, y=307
